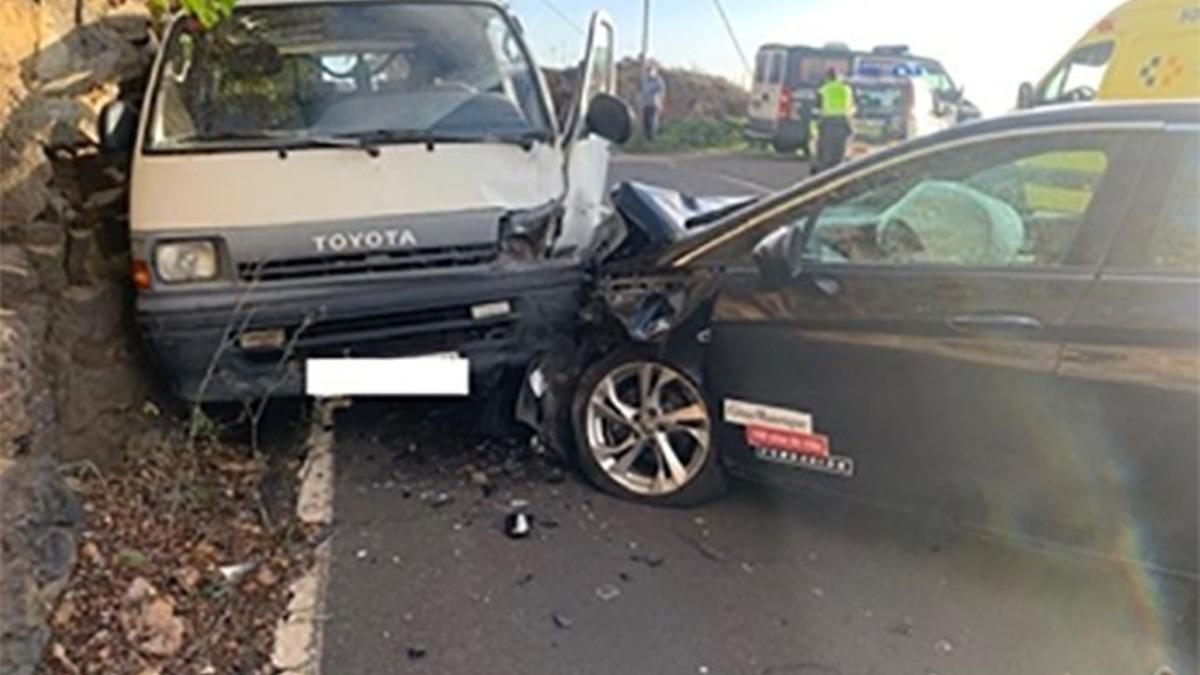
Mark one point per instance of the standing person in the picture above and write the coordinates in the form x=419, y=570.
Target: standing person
x=654, y=95
x=837, y=106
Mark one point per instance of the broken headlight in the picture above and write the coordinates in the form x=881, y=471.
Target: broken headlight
x=530, y=234
x=181, y=261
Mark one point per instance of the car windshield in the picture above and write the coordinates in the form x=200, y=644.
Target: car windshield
x=390, y=70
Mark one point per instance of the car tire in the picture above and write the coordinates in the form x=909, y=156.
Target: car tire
x=676, y=413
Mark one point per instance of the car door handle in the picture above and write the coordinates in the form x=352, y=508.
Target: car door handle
x=995, y=323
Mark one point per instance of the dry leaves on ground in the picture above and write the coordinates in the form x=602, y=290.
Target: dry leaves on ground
x=180, y=570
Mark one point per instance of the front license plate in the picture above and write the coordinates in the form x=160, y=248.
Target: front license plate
x=431, y=375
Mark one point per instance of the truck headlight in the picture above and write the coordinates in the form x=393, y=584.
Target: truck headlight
x=178, y=261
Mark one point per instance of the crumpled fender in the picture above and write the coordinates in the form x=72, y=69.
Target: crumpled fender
x=665, y=311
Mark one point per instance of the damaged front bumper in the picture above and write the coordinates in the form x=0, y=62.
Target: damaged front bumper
x=241, y=344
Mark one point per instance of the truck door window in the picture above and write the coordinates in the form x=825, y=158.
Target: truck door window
x=601, y=81
x=760, y=67
x=1015, y=204
x=812, y=69
x=1079, y=76
x=776, y=70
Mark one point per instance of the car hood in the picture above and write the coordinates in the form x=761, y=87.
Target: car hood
x=649, y=218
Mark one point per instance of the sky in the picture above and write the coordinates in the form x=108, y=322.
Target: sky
x=988, y=46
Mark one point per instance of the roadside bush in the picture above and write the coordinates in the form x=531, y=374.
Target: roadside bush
x=692, y=133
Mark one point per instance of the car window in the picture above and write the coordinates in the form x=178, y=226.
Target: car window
x=1001, y=204
x=776, y=71
x=1175, y=241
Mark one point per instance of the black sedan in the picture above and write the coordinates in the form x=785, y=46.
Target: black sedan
x=998, y=324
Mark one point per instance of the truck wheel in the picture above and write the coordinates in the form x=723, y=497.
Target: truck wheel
x=784, y=147
x=644, y=432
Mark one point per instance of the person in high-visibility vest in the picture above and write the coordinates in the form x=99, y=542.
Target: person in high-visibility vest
x=837, y=107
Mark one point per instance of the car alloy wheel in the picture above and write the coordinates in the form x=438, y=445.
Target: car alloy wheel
x=648, y=428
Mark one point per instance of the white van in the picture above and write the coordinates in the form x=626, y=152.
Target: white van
x=783, y=99
x=358, y=179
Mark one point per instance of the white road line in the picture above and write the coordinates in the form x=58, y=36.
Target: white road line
x=742, y=182
x=298, y=634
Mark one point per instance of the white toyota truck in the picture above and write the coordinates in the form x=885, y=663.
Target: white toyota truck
x=354, y=183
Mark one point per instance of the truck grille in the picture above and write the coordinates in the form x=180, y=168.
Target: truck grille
x=375, y=262
x=441, y=327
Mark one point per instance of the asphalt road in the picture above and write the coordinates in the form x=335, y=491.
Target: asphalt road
x=425, y=580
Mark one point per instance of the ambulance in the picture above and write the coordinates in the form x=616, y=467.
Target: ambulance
x=1143, y=49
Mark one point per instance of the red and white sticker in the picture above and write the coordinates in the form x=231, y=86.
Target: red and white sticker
x=788, y=441
x=786, y=436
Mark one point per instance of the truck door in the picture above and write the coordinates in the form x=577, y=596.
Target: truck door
x=768, y=85
x=587, y=154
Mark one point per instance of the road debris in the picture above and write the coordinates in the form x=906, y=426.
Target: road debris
x=417, y=652
x=651, y=561
x=518, y=524
x=607, y=592
x=561, y=620
x=482, y=481
x=234, y=573
x=943, y=646
x=904, y=628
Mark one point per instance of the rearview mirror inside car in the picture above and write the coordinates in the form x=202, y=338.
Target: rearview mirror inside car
x=117, y=127
x=778, y=256
x=609, y=118
x=1025, y=96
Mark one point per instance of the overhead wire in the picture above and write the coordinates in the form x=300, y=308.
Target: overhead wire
x=733, y=37
x=563, y=15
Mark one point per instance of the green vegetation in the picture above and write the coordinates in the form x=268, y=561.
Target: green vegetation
x=208, y=12
x=692, y=133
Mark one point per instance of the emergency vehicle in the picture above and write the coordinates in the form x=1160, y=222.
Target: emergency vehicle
x=783, y=99
x=1143, y=49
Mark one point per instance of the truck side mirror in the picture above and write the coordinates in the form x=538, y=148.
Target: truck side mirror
x=1025, y=96
x=117, y=127
x=609, y=118
x=778, y=257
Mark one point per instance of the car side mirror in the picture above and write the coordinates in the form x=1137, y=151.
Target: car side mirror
x=1025, y=96
x=778, y=257
x=609, y=118
x=117, y=127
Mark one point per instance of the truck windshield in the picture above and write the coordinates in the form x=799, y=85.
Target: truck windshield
x=1079, y=76
x=271, y=75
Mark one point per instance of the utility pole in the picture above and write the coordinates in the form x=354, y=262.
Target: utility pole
x=645, y=37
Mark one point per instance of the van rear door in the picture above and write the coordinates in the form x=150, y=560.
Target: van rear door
x=587, y=154
x=768, y=87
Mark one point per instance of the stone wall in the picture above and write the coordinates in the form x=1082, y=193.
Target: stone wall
x=66, y=367
x=70, y=385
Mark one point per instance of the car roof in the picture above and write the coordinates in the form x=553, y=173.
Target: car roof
x=1184, y=113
